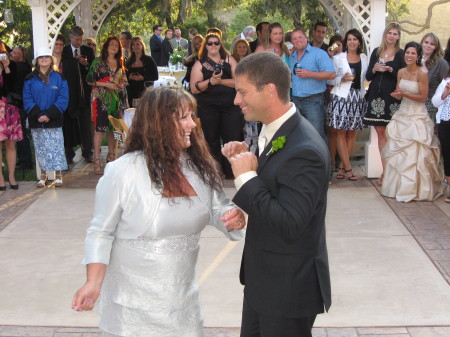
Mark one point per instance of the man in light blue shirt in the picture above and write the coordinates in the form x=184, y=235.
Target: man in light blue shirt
x=310, y=67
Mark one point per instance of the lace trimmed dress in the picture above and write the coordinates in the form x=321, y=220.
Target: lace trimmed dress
x=412, y=152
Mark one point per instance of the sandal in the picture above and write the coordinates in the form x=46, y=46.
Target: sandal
x=352, y=177
x=110, y=157
x=447, y=199
x=97, y=167
x=58, y=179
x=341, y=174
x=42, y=181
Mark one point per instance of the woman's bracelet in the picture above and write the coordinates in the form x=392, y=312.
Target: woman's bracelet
x=197, y=86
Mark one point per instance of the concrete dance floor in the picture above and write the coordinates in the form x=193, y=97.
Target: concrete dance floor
x=381, y=276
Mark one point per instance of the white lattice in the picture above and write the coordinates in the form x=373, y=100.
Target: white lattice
x=57, y=13
x=359, y=9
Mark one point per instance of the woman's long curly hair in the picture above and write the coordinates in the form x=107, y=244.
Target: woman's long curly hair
x=118, y=56
x=156, y=133
x=437, y=53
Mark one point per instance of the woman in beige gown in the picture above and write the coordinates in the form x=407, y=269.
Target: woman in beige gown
x=412, y=151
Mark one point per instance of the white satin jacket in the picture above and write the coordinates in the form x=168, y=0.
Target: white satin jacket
x=126, y=204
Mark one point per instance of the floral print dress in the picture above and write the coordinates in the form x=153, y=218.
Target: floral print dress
x=104, y=101
x=10, y=127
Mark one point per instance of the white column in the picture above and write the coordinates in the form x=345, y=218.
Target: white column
x=85, y=18
x=374, y=167
x=39, y=18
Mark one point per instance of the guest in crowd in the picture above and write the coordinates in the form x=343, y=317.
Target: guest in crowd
x=10, y=127
x=335, y=48
x=411, y=154
x=241, y=49
x=23, y=68
x=141, y=70
x=385, y=62
x=45, y=98
x=80, y=92
x=336, y=44
x=150, y=208
x=447, y=52
x=90, y=42
x=57, y=53
x=192, y=33
x=248, y=32
x=178, y=42
x=441, y=100
x=212, y=82
x=108, y=79
x=166, y=48
x=347, y=105
x=261, y=33
x=156, y=44
x=318, y=35
x=191, y=59
x=125, y=40
x=311, y=67
x=436, y=67
x=275, y=42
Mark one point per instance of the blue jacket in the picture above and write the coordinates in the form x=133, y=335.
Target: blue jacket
x=41, y=99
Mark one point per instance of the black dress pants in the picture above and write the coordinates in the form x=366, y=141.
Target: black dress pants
x=84, y=123
x=258, y=325
x=221, y=123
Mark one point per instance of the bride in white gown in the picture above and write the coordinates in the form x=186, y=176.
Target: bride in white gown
x=150, y=207
x=412, y=151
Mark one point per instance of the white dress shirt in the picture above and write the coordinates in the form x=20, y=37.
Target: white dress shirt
x=268, y=131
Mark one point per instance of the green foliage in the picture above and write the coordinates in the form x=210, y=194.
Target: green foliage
x=19, y=32
x=397, y=9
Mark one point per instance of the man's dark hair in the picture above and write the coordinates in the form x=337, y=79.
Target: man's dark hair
x=321, y=24
x=264, y=68
x=156, y=27
x=76, y=31
x=193, y=31
x=259, y=26
x=128, y=34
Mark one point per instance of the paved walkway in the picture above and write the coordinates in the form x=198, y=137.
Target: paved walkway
x=390, y=264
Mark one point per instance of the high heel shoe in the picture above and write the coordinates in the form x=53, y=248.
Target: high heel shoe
x=14, y=187
x=110, y=157
x=3, y=188
x=97, y=168
x=42, y=181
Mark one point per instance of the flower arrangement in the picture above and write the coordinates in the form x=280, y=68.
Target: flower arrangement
x=277, y=144
x=177, y=56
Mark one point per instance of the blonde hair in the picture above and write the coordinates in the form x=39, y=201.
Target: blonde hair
x=391, y=26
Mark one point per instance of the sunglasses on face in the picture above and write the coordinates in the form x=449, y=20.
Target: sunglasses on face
x=43, y=57
x=216, y=43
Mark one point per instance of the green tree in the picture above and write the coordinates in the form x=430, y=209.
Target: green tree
x=19, y=31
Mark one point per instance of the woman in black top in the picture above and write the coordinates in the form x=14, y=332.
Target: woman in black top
x=384, y=64
x=212, y=83
x=141, y=70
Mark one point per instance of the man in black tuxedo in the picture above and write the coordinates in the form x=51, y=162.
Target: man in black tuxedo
x=284, y=192
x=84, y=56
x=156, y=45
x=166, y=48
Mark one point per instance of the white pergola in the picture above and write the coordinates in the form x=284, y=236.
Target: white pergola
x=368, y=16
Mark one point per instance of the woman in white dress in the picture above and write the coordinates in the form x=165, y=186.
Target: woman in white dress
x=412, y=152
x=151, y=205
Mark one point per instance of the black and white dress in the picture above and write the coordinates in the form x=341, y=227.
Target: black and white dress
x=347, y=113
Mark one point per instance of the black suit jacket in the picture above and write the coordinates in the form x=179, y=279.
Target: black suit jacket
x=285, y=260
x=155, y=48
x=73, y=74
x=166, y=49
